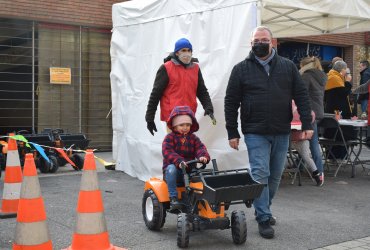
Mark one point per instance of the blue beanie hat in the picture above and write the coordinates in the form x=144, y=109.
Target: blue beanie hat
x=183, y=43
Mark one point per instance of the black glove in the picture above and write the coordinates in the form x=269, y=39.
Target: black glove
x=151, y=127
x=211, y=116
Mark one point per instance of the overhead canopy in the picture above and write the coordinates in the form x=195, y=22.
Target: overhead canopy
x=314, y=17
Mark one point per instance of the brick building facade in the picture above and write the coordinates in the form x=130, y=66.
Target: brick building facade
x=77, y=12
x=36, y=36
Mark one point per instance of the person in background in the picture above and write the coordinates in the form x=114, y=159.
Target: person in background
x=335, y=59
x=303, y=147
x=263, y=87
x=337, y=90
x=315, y=80
x=364, y=77
x=178, y=82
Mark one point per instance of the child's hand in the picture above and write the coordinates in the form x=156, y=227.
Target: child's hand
x=203, y=159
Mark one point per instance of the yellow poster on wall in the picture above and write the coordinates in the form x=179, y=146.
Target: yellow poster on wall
x=60, y=75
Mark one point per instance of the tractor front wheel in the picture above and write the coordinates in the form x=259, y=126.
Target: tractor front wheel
x=43, y=165
x=153, y=211
x=238, y=227
x=54, y=164
x=47, y=167
x=183, y=230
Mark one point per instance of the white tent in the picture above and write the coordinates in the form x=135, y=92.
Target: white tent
x=314, y=17
x=144, y=32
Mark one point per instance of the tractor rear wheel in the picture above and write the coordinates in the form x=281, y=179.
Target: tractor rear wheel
x=154, y=213
x=238, y=227
x=78, y=160
x=183, y=230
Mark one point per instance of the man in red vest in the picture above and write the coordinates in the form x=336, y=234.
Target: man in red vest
x=178, y=82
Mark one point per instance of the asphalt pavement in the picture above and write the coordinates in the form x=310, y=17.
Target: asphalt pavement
x=334, y=216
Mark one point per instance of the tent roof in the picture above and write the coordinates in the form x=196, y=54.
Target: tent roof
x=285, y=18
x=313, y=17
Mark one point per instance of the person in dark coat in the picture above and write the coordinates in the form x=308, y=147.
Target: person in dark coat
x=179, y=146
x=178, y=82
x=315, y=80
x=337, y=90
x=263, y=87
x=364, y=77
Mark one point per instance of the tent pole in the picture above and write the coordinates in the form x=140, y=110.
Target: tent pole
x=308, y=49
x=259, y=7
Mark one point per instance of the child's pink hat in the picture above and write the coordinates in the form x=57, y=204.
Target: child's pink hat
x=180, y=119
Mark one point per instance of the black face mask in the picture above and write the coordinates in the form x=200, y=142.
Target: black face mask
x=261, y=49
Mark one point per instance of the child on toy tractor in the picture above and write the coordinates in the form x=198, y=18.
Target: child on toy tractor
x=180, y=146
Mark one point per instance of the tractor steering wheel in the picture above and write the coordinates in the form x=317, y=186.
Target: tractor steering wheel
x=192, y=162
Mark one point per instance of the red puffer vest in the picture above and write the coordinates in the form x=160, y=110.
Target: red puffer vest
x=181, y=89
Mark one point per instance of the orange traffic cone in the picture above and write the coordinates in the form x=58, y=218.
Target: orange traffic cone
x=12, y=181
x=91, y=229
x=31, y=231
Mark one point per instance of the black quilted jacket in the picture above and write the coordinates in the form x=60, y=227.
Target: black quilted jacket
x=265, y=99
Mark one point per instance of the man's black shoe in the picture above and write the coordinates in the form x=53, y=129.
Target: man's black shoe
x=272, y=219
x=265, y=229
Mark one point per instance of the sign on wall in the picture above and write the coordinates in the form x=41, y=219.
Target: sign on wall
x=60, y=75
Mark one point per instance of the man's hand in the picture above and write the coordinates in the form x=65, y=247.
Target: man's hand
x=151, y=127
x=307, y=134
x=234, y=143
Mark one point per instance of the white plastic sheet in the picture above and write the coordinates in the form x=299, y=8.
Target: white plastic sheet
x=144, y=32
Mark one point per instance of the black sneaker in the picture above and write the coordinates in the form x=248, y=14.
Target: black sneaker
x=265, y=229
x=174, y=203
x=319, y=178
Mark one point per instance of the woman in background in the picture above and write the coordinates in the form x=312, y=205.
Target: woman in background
x=315, y=80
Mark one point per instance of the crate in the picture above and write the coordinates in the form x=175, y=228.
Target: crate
x=79, y=140
x=41, y=139
x=231, y=185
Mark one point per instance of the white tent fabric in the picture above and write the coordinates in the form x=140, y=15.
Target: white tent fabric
x=314, y=17
x=144, y=32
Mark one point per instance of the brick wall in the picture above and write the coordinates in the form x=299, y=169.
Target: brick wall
x=96, y=13
x=342, y=40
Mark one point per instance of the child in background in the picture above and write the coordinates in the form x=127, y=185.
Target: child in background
x=178, y=146
x=303, y=148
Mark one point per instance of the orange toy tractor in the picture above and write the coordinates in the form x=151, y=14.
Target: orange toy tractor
x=206, y=196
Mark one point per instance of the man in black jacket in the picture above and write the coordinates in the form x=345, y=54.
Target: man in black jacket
x=364, y=77
x=263, y=86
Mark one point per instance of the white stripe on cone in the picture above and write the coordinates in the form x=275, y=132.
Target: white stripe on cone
x=89, y=181
x=31, y=187
x=31, y=234
x=12, y=191
x=91, y=223
x=12, y=159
